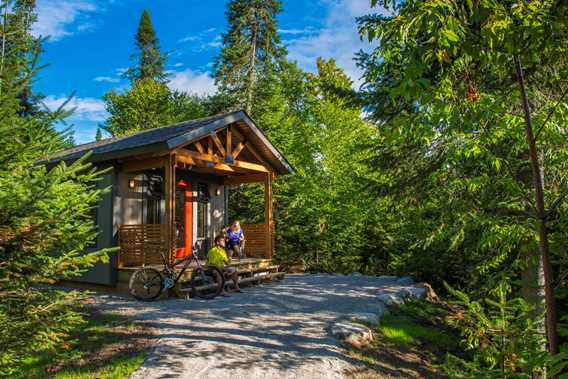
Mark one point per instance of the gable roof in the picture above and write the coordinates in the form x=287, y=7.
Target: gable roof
x=173, y=136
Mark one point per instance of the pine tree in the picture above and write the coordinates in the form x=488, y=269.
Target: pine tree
x=150, y=61
x=99, y=135
x=251, y=48
x=18, y=51
x=45, y=214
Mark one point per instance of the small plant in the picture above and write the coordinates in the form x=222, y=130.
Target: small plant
x=504, y=338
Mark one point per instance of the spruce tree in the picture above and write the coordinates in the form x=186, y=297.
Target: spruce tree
x=99, y=135
x=251, y=48
x=150, y=61
x=45, y=214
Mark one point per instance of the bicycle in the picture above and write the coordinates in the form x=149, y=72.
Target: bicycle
x=147, y=284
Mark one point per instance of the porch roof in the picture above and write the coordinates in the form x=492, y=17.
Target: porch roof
x=176, y=135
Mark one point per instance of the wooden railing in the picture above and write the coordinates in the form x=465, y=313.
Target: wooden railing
x=141, y=244
x=256, y=246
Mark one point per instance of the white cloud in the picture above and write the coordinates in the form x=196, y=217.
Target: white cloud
x=308, y=30
x=202, y=40
x=61, y=18
x=86, y=108
x=338, y=38
x=107, y=79
x=192, y=81
x=179, y=64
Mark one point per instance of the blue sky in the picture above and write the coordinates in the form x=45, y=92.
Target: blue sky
x=90, y=42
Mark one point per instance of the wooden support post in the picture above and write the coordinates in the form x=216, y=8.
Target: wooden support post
x=268, y=214
x=229, y=144
x=170, y=184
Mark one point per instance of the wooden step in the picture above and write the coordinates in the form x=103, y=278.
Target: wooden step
x=252, y=279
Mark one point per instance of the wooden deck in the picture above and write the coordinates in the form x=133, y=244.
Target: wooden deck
x=250, y=270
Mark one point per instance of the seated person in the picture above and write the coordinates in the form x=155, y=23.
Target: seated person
x=218, y=257
x=235, y=237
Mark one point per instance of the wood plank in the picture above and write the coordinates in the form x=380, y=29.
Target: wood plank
x=209, y=146
x=218, y=143
x=221, y=162
x=229, y=144
x=185, y=159
x=170, y=188
x=140, y=165
x=268, y=214
x=238, y=149
x=199, y=147
x=251, y=178
x=251, y=148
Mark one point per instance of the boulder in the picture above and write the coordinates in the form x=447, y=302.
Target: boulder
x=365, y=318
x=391, y=299
x=405, y=281
x=353, y=334
x=430, y=294
x=415, y=292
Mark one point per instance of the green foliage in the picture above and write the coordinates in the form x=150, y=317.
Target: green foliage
x=45, y=214
x=146, y=105
x=503, y=338
x=150, y=63
x=251, y=50
x=86, y=353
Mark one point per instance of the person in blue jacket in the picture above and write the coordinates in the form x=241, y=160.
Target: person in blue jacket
x=235, y=239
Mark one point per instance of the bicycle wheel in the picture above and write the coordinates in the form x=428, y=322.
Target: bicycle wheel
x=146, y=284
x=207, y=283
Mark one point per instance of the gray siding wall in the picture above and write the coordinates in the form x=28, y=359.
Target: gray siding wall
x=104, y=273
x=217, y=210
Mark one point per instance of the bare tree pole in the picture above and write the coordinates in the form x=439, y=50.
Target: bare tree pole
x=3, y=52
x=541, y=216
x=251, y=76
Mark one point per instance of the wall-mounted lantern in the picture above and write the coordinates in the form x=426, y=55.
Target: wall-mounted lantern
x=218, y=191
x=131, y=183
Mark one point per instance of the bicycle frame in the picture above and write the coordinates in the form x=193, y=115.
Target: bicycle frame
x=187, y=262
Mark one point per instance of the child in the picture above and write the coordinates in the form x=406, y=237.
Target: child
x=218, y=257
x=235, y=237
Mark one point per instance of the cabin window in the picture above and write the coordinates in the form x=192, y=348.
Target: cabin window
x=202, y=204
x=153, y=194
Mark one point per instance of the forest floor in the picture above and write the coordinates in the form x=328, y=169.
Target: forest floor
x=275, y=330
x=106, y=346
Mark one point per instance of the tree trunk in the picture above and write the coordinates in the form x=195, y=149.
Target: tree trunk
x=3, y=51
x=541, y=215
x=251, y=78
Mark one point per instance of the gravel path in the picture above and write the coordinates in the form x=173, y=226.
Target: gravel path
x=275, y=330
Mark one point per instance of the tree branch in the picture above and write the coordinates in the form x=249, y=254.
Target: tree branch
x=550, y=113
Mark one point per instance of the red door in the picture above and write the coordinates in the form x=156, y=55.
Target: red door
x=184, y=219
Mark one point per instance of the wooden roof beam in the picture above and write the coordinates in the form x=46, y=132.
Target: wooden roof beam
x=243, y=179
x=219, y=161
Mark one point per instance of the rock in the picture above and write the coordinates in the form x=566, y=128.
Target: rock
x=416, y=292
x=365, y=318
x=356, y=335
x=429, y=294
x=390, y=299
x=405, y=281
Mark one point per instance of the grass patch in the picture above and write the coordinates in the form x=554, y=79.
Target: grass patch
x=404, y=330
x=412, y=341
x=105, y=346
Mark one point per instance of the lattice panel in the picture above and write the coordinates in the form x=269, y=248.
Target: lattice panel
x=255, y=235
x=141, y=244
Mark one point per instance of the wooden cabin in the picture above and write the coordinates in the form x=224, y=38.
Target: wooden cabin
x=169, y=189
